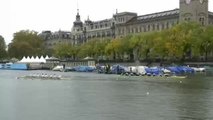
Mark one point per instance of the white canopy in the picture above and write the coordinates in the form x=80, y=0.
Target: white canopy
x=33, y=59
x=24, y=59
x=47, y=57
x=42, y=59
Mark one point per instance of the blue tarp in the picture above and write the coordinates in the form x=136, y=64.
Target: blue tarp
x=185, y=69
x=100, y=68
x=180, y=69
x=84, y=69
x=174, y=69
x=153, y=70
x=117, y=69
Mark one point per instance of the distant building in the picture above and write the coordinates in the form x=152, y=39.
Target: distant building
x=81, y=32
x=53, y=38
x=125, y=23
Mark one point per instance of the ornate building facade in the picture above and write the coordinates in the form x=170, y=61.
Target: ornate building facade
x=190, y=10
x=125, y=23
x=53, y=38
x=82, y=32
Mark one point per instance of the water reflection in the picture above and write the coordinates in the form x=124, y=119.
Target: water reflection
x=193, y=98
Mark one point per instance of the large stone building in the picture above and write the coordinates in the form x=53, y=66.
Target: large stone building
x=81, y=32
x=127, y=22
x=53, y=38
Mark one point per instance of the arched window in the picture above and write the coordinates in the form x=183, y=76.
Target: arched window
x=162, y=26
x=167, y=25
x=202, y=20
x=148, y=27
x=136, y=30
x=158, y=28
x=187, y=19
x=153, y=27
x=119, y=31
x=144, y=28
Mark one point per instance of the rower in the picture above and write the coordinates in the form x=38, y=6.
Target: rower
x=59, y=77
x=54, y=76
x=45, y=76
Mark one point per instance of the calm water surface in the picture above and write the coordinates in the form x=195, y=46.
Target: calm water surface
x=90, y=96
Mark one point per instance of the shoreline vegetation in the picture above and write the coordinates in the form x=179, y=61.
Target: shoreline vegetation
x=186, y=41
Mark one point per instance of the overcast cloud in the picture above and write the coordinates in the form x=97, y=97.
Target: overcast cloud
x=53, y=15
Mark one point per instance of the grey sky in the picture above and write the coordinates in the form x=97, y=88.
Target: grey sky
x=53, y=15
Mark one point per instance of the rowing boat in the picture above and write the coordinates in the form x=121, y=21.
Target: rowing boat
x=42, y=77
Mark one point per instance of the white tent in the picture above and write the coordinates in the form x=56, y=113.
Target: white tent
x=37, y=59
x=33, y=59
x=23, y=59
x=47, y=57
x=28, y=58
x=42, y=59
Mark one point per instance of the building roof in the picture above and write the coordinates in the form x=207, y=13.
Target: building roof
x=159, y=14
x=154, y=16
x=102, y=21
x=61, y=32
x=211, y=13
x=125, y=13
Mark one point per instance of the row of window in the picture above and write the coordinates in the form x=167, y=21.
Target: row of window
x=65, y=36
x=120, y=19
x=99, y=26
x=98, y=34
x=76, y=37
x=147, y=28
x=201, y=20
x=91, y=27
x=55, y=43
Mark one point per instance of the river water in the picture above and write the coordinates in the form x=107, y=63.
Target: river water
x=91, y=96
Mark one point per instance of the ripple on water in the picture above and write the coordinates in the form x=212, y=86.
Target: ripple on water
x=93, y=96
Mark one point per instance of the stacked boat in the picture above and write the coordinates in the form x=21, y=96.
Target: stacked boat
x=180, y=71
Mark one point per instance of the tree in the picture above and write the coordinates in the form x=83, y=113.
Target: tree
x=136, y=45
x=63, y=51
x=146, y=45
x=25, y=43
x=112, y=48
x=99, y=47
x=87, y=49
x=159, y=49
x=48, y=51
x=17, y=50
x=180, y=39
x=204, y=43
x=3, y=52
x=125, y=46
